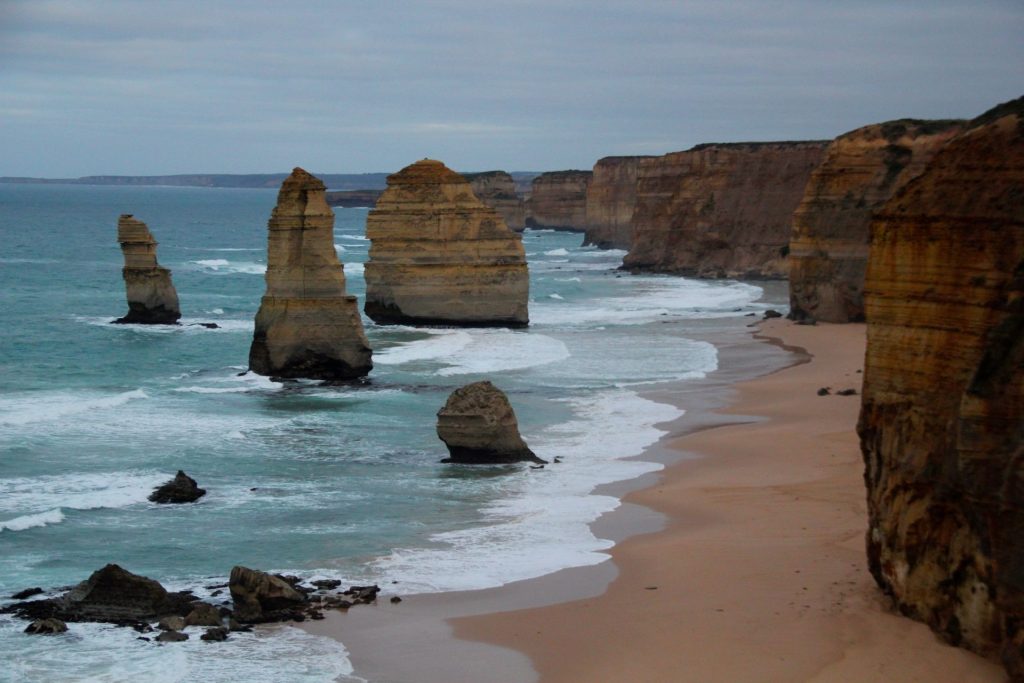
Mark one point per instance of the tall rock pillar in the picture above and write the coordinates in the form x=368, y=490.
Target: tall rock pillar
x=307, y=326
x=152, y=299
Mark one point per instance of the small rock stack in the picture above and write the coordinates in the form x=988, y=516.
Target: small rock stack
x=152, y=299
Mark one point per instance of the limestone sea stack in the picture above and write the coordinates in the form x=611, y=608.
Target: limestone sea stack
x=497, y=190
x=558, y=201
x=478, y=426
x=438, y=256
x=942, y=422
x=611, y=200
x=720, y=210
x=152, y=299
x=862, y=169
x=307, y=326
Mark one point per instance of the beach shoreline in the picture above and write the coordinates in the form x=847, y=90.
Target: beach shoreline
x=418, y=629
x=742, y=561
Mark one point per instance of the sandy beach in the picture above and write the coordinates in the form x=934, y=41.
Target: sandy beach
x=742, y=561
x=760, y=574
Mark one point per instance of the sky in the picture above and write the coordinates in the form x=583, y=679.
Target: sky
x=139, y=87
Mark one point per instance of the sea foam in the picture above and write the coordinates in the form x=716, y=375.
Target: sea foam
x=22, y=409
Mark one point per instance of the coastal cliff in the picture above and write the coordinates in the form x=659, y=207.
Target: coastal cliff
x=942, y=422
x=438, y=255
x=611, y=200
x=497, y=190
x=558, y=201
x=862, y=169
x=152, y=299
x=720, y=210
x=307, y=326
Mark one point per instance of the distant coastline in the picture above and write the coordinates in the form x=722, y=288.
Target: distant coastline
x=334, y=181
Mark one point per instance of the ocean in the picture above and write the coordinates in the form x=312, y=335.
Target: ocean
x=312, y=480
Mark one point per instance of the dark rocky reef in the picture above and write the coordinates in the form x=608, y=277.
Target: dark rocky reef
x=478, y=426
x=152, y=299
x=353, y=199
x=261, y=597
x=942, y=421
x=181, y=489
x=307, y=325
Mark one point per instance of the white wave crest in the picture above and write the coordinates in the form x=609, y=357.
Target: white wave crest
x=503, y=350
x=22, y=409
x=54, y=516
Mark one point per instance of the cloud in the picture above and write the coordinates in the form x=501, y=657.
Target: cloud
x=366, y=85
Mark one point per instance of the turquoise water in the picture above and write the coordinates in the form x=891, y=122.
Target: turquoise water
x=304, y=478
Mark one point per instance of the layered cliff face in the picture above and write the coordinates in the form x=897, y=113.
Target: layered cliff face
x=942, y=423
x=611, y=200
x=440, y=256
x=152, y=298
x=829, y=245
x=497, y=190
x=307, y=326
x=558, y=200
x=720, y=210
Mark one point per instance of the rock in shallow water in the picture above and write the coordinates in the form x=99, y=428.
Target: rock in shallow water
x=181, y=489
x=46, y=626
x=260, y=597
x=478, y=426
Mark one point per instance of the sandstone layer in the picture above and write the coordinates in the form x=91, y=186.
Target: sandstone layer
x=611, y=199
x=497, y=190
x=478, y=426
x=942, y=422
x=828, y=249
x=152, y=299
x=558, y=201
x=720, y=210
x=440, y=256
x=307, y=326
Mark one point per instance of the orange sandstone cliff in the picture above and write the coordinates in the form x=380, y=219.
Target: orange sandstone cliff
x=440, y=256
x=307, y=326
x=720, y=210
x=558, y=200
x=611, y=199
x=862, y=169
x=497, y=190
x=942, y=422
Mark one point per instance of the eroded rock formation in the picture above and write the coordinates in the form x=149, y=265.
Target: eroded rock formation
x=440, y=256
x=152, y=299
x=260, y=597
x=942, y=423
x=307, y=326
x=720, y=210
x=829, y=245
x=497, y=190
x=478, y=426
x=611, y=199
x=181, y=489
x=558, y=200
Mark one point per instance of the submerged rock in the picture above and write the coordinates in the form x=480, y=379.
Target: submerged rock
x=152, y=299
x=942, y=420
x=478, y=426
x=307, y=325
x=204, y=614
x=27, y=593
x=260, y=597
x=181, y=489
x=438, y=255
x=46, y=626
x=172, y=637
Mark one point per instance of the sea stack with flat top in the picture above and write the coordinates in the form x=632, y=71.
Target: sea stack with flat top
x=307, y=325
x=152, y=299
x=439, y=256
x=479, y=427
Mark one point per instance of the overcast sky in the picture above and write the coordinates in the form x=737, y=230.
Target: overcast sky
x=179, y=86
